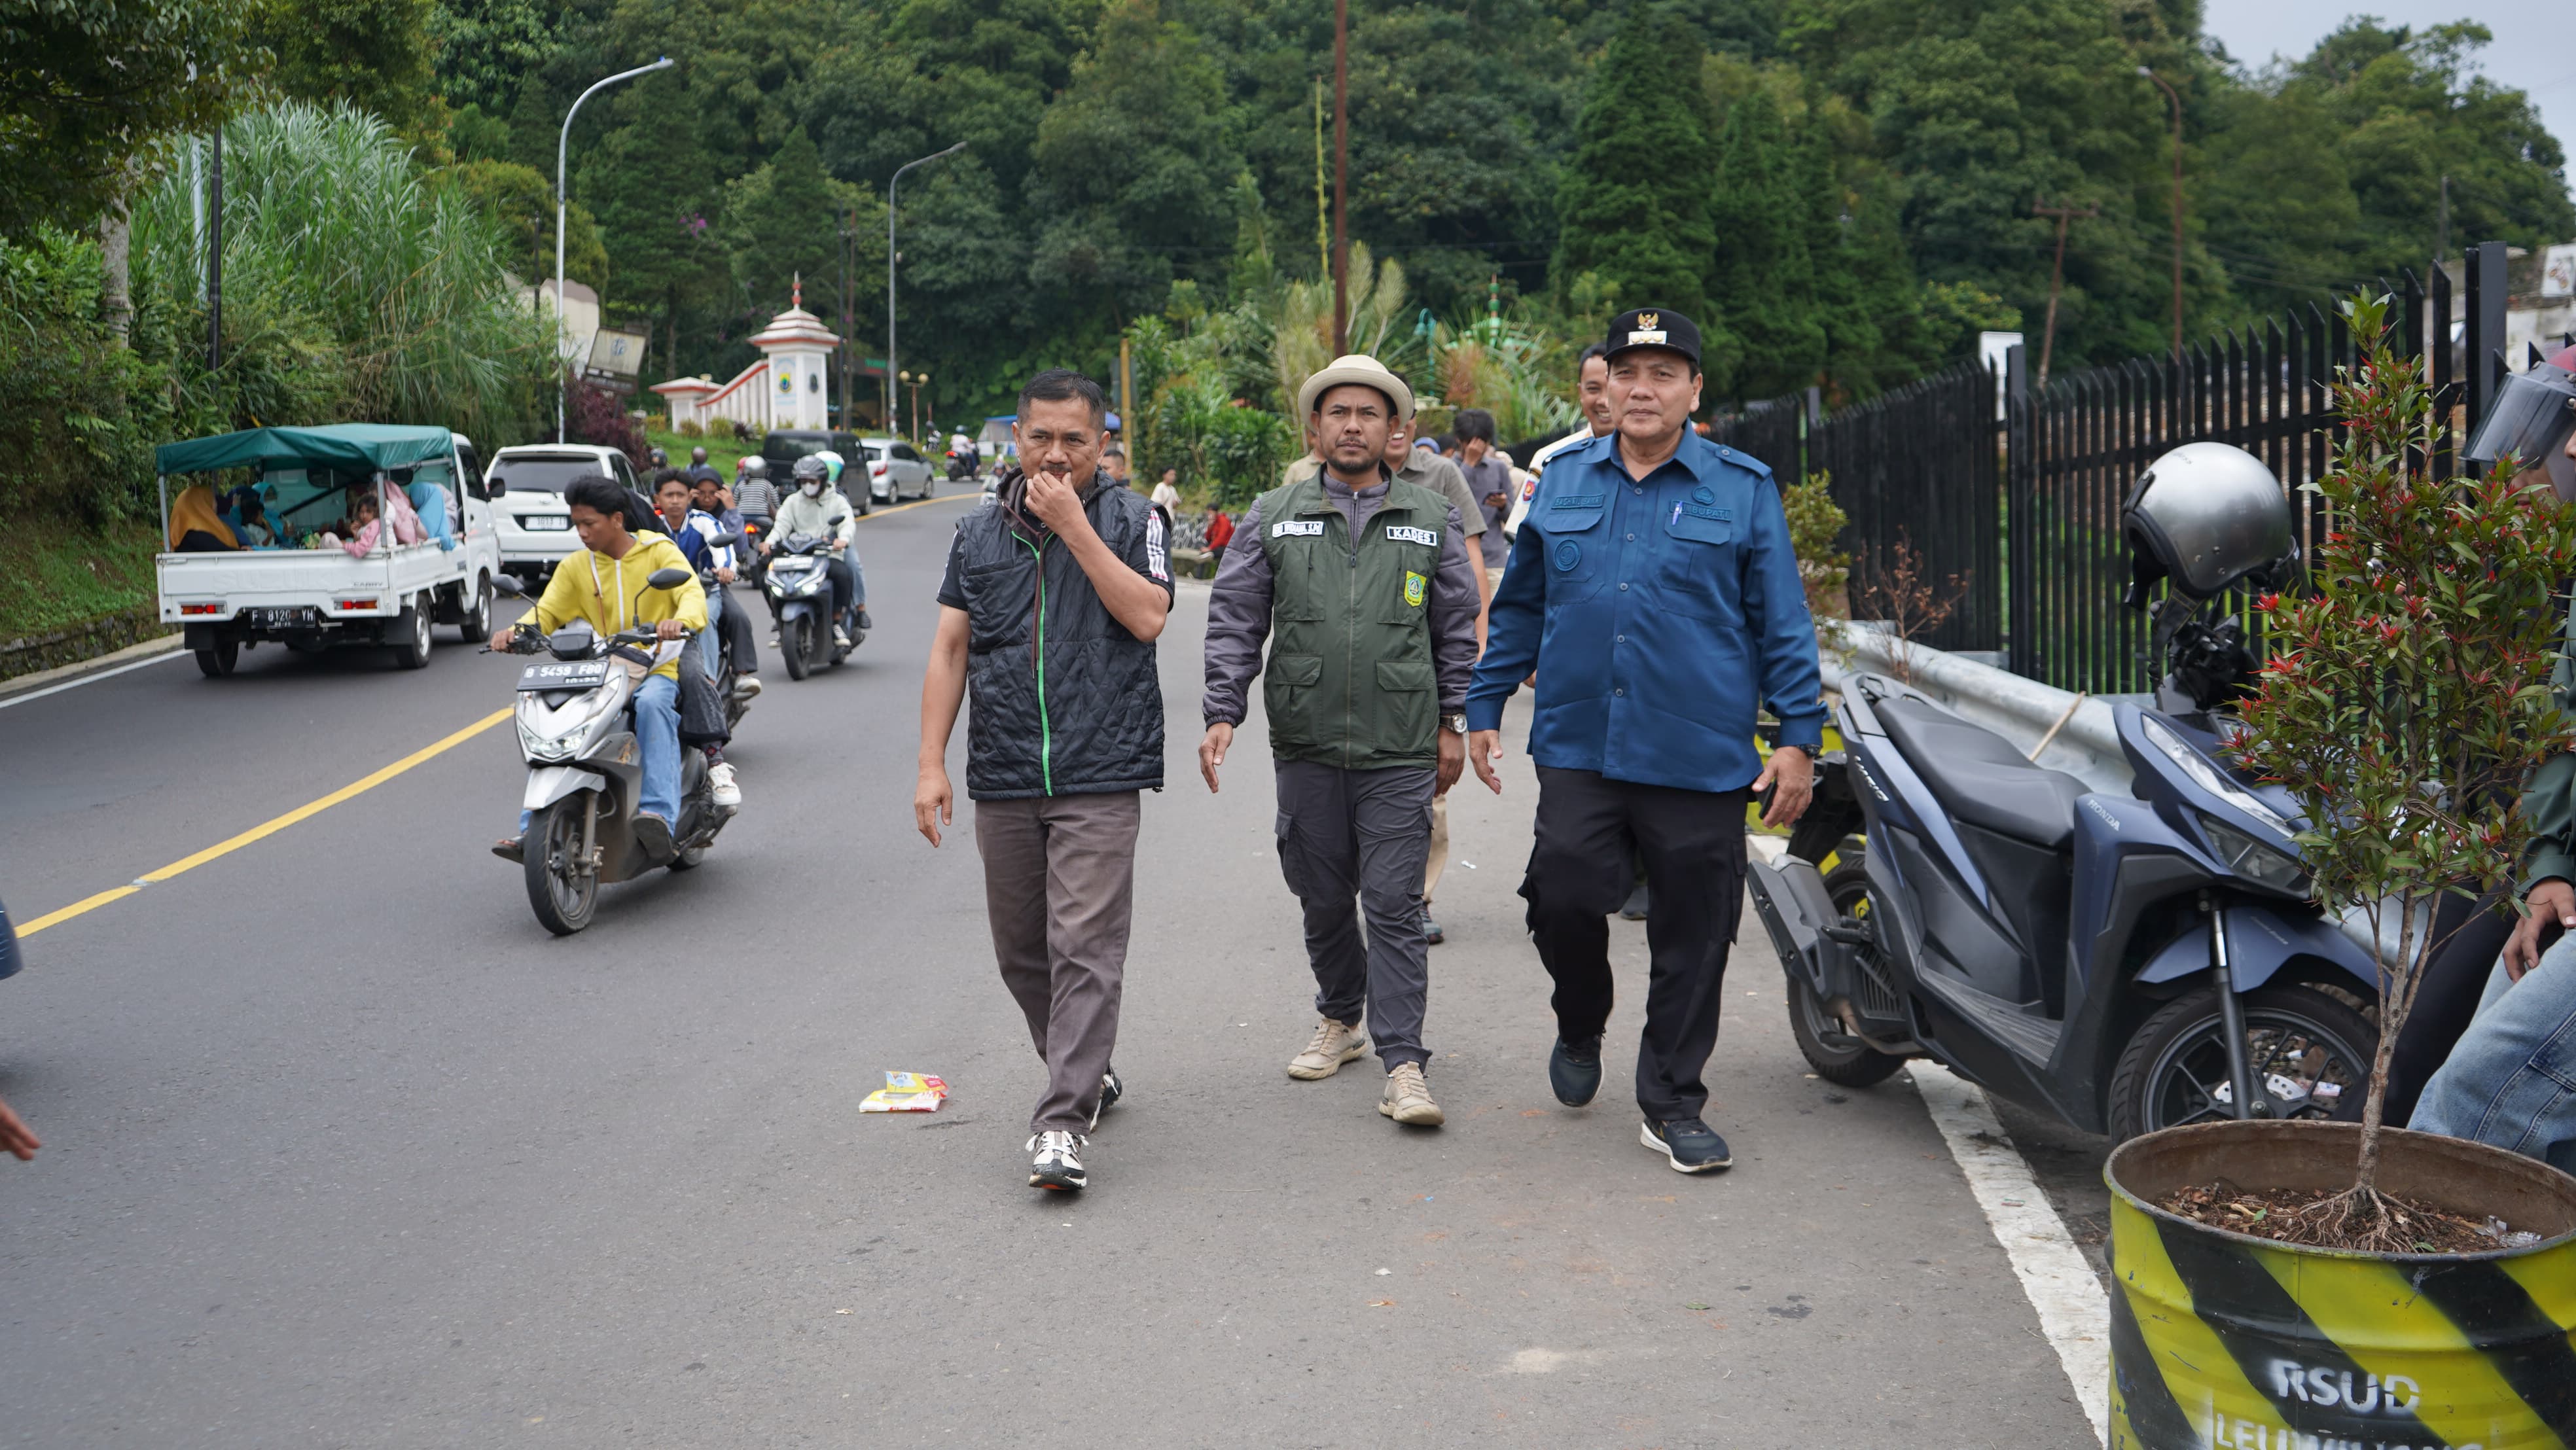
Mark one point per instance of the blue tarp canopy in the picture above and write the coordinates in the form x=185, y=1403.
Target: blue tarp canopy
x=354, y=447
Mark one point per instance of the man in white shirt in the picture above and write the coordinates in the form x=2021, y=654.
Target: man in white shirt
x=1592, y=391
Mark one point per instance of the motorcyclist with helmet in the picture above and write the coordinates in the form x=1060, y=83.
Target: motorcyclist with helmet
x=815, y=507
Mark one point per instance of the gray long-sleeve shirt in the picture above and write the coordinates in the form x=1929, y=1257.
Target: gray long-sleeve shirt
x=1239, y=607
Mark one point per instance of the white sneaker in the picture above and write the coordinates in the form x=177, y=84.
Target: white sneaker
x=1407, y=1098
x=1335, y=1043
x=841, y=638
x=728, y=796
x=746, y=687
x=1058, y=1164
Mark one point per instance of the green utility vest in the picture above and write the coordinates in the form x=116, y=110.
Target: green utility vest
x=1350, y=680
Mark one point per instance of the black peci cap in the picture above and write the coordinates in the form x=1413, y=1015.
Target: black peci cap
x=1653, y=327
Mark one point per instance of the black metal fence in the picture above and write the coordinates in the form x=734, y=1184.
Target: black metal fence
x=2024, y=509
x=1915, y=467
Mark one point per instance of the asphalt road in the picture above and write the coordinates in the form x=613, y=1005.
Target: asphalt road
x=344, y=1150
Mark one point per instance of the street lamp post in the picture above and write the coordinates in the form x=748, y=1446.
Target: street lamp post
x=891, y=256
x=2176, y=97
x=563, y=144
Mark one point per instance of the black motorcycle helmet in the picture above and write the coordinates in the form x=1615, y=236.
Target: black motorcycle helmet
x=2530, y=422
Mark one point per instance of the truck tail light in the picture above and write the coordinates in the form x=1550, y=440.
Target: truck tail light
x=201, y=609
x=353, y=603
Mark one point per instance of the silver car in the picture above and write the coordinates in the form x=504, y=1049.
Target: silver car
x=895, y=470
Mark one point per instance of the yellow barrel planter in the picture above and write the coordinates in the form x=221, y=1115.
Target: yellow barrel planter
x=2219, y=1339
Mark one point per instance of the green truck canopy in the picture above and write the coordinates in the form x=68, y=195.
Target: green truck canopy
x=357, y=447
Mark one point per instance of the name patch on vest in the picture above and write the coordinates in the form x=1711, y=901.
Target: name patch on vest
x=1576, y=501
x=1404, y=534
x=1291, y=528
x=1703, y=511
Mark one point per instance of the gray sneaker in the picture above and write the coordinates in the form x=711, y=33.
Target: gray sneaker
x=1335, y=1043
x=1408, y=1098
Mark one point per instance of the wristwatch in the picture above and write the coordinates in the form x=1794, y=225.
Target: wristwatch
x=1457, y=722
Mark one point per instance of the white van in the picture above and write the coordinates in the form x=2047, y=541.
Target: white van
x=526, y=484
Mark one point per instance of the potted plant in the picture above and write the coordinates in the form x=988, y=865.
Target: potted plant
x=2298, y=1283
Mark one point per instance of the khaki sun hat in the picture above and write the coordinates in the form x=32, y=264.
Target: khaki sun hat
x=1358, y=368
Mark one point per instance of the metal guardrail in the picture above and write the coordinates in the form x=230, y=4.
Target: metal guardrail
x=2084, y=744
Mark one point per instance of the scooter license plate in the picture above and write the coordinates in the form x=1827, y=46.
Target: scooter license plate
x=564, y=675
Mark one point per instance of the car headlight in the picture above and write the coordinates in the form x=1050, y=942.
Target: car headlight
x=2209, y=778
x=2253, y=860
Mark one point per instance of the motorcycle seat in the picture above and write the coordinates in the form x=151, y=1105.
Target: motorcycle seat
x=1980, y=778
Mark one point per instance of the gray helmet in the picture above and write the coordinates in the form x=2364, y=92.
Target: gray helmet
x=755, y=467
x=2205, y=515
x=811, y=466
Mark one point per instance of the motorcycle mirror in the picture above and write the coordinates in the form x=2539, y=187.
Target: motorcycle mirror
x=508, y=587
x=724, y=541
x=668, y=578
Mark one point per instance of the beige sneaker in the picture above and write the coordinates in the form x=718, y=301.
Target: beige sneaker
x=1408, y=1098
x=1335, y=1043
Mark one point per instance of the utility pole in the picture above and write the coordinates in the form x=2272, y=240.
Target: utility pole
x=2176, y=97
x=2056, y=275
x=215, y=254
x=1341, y=177
x=849, y=325
x=893, y=404
x=1323, y=207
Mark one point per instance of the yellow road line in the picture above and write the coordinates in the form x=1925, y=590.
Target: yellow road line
x=267, y=828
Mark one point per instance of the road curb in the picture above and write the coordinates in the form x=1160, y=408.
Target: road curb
x=17, y=685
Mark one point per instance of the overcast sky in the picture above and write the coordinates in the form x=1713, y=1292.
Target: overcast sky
x=2532, y=49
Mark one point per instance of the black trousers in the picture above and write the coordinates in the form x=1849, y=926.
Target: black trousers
x=1692, y=843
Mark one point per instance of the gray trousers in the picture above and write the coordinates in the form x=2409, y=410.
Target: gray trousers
x=1059, y=890
x=1363, y=833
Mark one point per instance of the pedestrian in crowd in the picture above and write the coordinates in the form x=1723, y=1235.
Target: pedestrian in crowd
x=1656, y=568
x=699, y=471
x=1592, y=394
x=1361, y=689
x=1425, y=467
x=1113, y=462
x=1167, y=493
x=1489, y=478
x=1220, y=532
x=1053, y=599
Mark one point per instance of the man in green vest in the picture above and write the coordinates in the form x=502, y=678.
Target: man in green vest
x=1362, y=585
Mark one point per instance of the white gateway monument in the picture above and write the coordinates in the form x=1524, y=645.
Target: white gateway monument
x=785, y=389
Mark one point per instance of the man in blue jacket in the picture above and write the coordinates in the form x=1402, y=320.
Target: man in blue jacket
x=1653, y=589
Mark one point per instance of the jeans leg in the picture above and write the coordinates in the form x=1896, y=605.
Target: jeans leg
x=2511, y=1081
x=710, y=653
x=657, y=739
x=858, y=581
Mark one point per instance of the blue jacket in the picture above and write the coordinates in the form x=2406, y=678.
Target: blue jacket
x=1659, y=615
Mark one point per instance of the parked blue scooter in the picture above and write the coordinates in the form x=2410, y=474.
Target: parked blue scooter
x=2122, y=963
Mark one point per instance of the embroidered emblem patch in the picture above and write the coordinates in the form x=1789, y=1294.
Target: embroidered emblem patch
x=1416, y=588
x=1702, y=495
x=1567, y=554
x=1529, y=490
x=1404, y=534
x=1290, y=528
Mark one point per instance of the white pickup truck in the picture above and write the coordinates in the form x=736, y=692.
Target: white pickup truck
x=229, y=591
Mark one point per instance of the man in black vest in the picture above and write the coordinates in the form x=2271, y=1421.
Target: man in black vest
x=1361, y=584
x=1055, y=593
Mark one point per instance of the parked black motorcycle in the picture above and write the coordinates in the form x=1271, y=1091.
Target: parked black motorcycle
x=2121, y=962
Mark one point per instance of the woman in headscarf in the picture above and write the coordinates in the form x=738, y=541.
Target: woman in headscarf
x=197, y=526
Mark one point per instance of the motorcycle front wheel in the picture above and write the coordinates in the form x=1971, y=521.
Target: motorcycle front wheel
x=561, y=889
x=2303, y=1047
x=791, y=645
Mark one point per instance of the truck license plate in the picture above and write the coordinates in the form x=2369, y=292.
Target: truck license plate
x=285, y=616
x=564, y=675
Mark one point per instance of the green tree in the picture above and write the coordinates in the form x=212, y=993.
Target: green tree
x=520, y=205
x=373, y=54
x=1761, y=278
x=1124, y=173
x=85, y=89
x=1635, y=203
x=783, y=222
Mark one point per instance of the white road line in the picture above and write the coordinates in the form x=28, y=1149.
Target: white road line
x=2073, y=1312
x=90, y=679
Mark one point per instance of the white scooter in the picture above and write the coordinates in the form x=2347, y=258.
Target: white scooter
x=577, y=733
